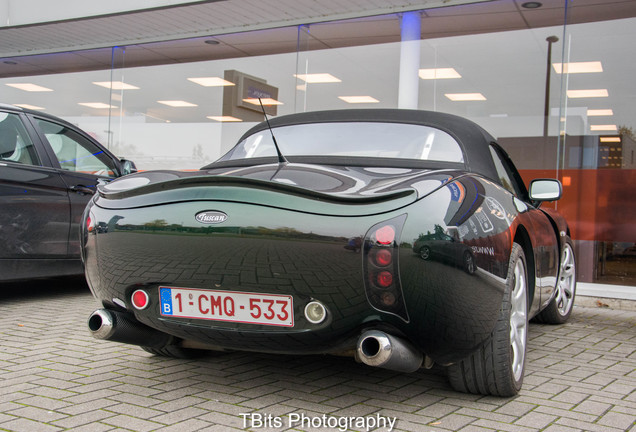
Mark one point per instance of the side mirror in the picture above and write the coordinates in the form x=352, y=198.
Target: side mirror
x=545, y=190
x=127, y=167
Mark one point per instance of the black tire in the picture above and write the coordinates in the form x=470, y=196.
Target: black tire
x=469, y=263
x=425, y=253
x=559, y=309
x=497, y=368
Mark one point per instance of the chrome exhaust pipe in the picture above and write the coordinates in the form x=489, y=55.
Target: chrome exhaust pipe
x=376, y=348
x=117, y=327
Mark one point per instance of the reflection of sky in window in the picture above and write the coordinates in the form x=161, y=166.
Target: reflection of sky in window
x=93, y=155
x=355, y=139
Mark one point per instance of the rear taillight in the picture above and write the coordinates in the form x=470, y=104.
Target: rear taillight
x=89, y=224
x=384, y=279
x=381, y=270
x=385, y=235
x=382, y=257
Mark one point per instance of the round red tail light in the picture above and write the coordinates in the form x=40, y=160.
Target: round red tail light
x=383, y=257
x=385, y=279
x=140, y=299
x=385, y=235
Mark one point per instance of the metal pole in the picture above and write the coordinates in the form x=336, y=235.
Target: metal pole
x=546, y=111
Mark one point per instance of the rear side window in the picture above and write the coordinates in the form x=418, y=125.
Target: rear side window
x=15, y=144
x=76, y=153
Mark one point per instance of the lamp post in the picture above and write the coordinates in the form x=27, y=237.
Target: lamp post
x=546, y=111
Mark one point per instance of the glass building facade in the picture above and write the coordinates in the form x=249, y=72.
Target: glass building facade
x=560, y=100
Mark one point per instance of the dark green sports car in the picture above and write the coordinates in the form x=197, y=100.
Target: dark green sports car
x=307, y=237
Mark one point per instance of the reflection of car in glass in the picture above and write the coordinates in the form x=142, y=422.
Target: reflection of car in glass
x=440, y=246
x=254, y=252
x=49, y=170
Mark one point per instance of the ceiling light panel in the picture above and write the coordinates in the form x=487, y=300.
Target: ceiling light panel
x=27, y=106
x=211, y=81
x=578, y=67
x=439, y=73
x=29, y=87
x=115, y=85
x=463, y=97
x=225, y=118
x=317, y=78
x=599, y=112
x=603, y=128
x=595, y=93
x=96, y=105
x=177, y=103
x=358, y=99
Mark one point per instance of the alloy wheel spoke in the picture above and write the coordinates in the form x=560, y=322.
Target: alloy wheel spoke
x=518, y=320
x=567, y=281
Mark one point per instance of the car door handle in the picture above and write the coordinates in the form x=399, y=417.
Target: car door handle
x=81, y=189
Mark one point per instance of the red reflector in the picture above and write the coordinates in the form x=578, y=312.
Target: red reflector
x=383, y=257
x=140, y=299
x=385, y=235
x=385, y=279
x=89, y=224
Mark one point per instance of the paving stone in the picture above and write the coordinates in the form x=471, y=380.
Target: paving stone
x=27, y=425
x=84, y=418
x=132, y=423
x=618, y=420
x=579, y=376
x=179, y=415
x=37, y=414
x=585, y=426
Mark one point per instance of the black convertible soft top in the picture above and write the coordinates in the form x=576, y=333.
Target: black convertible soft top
x=473, y=139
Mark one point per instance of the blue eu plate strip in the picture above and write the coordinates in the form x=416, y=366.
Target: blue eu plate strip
x=166, y=301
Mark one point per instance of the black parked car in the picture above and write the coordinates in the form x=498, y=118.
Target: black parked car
x=305, y=244
x=445, y=248
x=49, y=170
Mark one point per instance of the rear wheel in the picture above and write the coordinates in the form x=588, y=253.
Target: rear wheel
x=469, y=263
x=497, y=368
x=559, y=309
x=425, y=252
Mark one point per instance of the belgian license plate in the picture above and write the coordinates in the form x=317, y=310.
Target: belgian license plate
x=232, y=306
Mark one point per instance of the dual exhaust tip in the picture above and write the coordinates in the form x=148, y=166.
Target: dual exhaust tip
x=380, y=349
x=374, y=348
x=117, y=327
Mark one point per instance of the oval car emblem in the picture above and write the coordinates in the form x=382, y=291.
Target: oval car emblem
x=211, y=217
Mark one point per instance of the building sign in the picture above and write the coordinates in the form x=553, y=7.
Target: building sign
x=242, y=99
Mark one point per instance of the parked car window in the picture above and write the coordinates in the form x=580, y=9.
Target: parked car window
x=353, y=139
x=76, y=153
x=15, y=144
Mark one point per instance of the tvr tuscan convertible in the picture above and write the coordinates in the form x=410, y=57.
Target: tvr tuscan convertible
x=403, y=238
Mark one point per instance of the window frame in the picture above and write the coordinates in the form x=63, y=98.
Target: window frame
x=33, y=138
x=517, y=184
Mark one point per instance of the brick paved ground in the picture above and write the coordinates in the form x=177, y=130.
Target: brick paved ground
x=54, y=376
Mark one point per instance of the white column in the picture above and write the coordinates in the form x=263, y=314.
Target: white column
x=408, y=92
